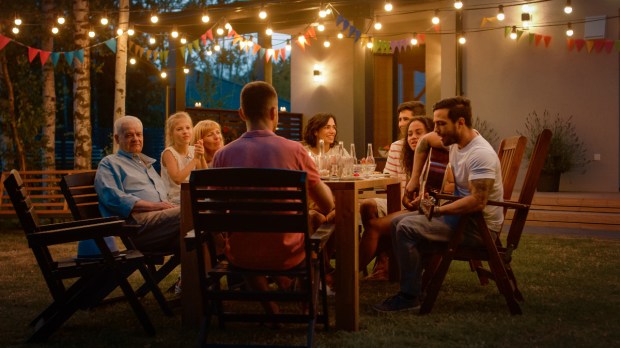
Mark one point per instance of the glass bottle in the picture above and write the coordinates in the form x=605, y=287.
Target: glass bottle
x=352, y=153
x=370, y=159
x=323, y=162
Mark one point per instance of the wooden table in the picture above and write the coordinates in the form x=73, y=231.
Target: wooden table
x=347, y=243
x=347, y=246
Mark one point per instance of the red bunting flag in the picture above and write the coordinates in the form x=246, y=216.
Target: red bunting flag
x=598, y=45
x=579, y=43
x=421, y=39
x=609, y=45
x=232, y=33
x=43, y=55
x=283, y=54
x=32, y=52
x=3, y=41
x=209, y=34
x=537, y=38
x=547, y=41
x=310, y=33
x=255, y=48
x=203, y=37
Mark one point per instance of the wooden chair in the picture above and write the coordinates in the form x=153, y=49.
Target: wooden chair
x=250, y=200
x=82, y=199
x=91, y=279
x=498, y=256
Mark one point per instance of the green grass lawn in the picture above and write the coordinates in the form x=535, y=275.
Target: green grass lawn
x=571, y=287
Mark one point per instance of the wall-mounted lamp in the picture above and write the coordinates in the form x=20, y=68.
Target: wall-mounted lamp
x=317, y=73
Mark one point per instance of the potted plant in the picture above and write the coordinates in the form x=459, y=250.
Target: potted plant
x=566, y=152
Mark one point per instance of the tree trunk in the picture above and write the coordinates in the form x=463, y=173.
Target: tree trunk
x=17, y=141
x=120, y=82
x=49, y=94
x=82, y=129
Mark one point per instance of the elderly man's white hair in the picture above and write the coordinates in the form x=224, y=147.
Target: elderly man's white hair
x=118, y=124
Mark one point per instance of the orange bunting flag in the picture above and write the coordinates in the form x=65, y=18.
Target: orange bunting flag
x=547, y=41
x=537, y=39
x=307, y=40
x=236, y=39
x=209, y=34
x=436, y=28
x=310, y=33
x=283, y=54
x=570, y=44
x=589, y=45
x=255, y=48
x=32, y=52
x=43, y=55
x=421, y=39
x=232, y=33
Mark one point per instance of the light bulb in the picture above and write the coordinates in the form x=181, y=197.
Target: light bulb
x=568, y=9
x=269, y=31
x=18, y=21
x=262, y=14
x=462, y=40
x=174, y=33
x=131, y=31
x=163, y=75
x=458, y=5
x=91, y=33
x=322, y=14
x=500, y=14
x=154, y=18
x=205, y=18
x=326, y=43
x=185, y=70
x=152, y=40
x=414, y=41
x=435, y=19
x=288, y=45
x=219, y=31
x=340, y=35
x=321, y=27
x=104, y=20
x=388, y=6
x=217, y=47
x=227, y=26
x=569, y=30
x=183, y=40
x=55, y=30
x=378, y=25
x=513, y=33
x=61, y=20
x=132, y=61
x=209, y=53
x=119, y=31
x=301, y=39
x=369, y=44
x=15, y=30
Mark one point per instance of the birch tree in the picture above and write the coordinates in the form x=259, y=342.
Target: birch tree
x=49, y=94
x=82, y=128
x=120, y=81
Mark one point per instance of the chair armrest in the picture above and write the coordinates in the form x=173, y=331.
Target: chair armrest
x=76, y=233
x=322, y=234
x=505, y=204
x=61, y=225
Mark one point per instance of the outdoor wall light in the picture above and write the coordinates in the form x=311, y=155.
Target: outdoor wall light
x=317, y=73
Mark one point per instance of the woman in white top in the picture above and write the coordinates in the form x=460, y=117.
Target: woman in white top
x=321, y=126
x=179, y=158
x=210, y=134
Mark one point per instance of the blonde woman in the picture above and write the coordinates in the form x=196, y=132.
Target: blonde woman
x=209, y=133
x=179, y=158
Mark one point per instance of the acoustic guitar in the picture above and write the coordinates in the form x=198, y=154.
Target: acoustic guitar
x=433, y=177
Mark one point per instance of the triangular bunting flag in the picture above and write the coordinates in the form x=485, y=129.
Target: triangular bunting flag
x=111, y=43
x=537, y=39
x=437, y=28
x=203, y=37
x=232, y=33
x=531, y=37
x=209, y=34
x=352, y=30
x=32, y=52
x=393, y=45
x=184, y=52
x=140, y=51
x=506, y=31
x=189, y=49
x=237, y=38
x=570, y=43
x=519, y=34
x=55, y=56
x=164, y=58
x=579, y=43
x=617, y=45
x=307, y=40
x=261, y=53
x=609, y=44
x=547, y=40
x=358, y=34
x=345, y=24
x=589, y=45
x=283, y=54
x=155, y=55
x=69, y=57
x=421, y=39
x=268, y=54
x=311, y=32
x=598, y=45
x=255, y=49
x=196, y=45
x=43, y=55
x=3, y=41
x=301, y=44
x=79, y=54
x=339, y=20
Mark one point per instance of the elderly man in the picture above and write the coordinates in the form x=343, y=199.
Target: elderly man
x=128, y=186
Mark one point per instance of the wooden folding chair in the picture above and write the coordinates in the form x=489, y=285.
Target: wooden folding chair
x=498, y=256
x=82, y=199
x=251, y=200
x=90, y=279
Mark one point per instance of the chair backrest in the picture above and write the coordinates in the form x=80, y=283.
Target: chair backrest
x=534, y=168
x=510, y=153
x=247, y=200
x=80, y=195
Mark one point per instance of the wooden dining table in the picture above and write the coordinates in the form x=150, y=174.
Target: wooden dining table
x=346, y=194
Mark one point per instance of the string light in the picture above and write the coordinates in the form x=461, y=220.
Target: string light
x=513, y=33
x=119, y=31
x=219, y=31
x=183, y=40
x=61, y=20
x=250, y=42
x=132, y=61
x=262, y=14
x=326, y=43
x=301, y=39
x=209, y=52
x=163, y=75
x=227, y=26
x=174, y=33
x=321, y=27
x=322, y=13
x=369, y=44
x=500, y=13
x=18, y=21
x=269, y=31
x=414, y=39
x=388, y=6
x=154, y=18
x=185, y=70
x=288, y=45
x=131, y=30
x=378, y=24
x=435, y=19
x=462, y=39
x=458, y=4
x=91, y=32
x=569, y=30
x=104, y=19
x=340, y=36
x=152, y=40
x=55, y=30
x=205, y=17
x=568, y=9
x=217, y=47
x=15, y=30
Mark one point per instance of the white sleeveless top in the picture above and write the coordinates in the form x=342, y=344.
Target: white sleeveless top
x=174, y=189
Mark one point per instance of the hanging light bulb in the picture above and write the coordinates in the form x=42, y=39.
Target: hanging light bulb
x=163, y=75
x=378, y=24
x=462, y=39
x=568, y=9
x=321, y=27
x=250, y=42
x=152, y=40
x=288, y=45
x=328, y=10
x=262, y=14
x=513, y=33
x=219, y=31
x=500, y=13
x=131, y=30
x=414, y=39
x=91, y=32
x=119, y=31
x=185, y=70
x=388, y=6
x=205, y=17
x=209, y=52
x=217, y=47
x=435, y=19
x=183, y=40
x=369, y=43
x=55, y=30
x=18, y=21
x=569, y=30
x=269, y=31
x=340, y=36
x=174, y=33
x=326, y=43
x=458, y=4
x=132, y=61
x=154, y=18
x=104, y=19
x=322, y=13
x=60, y=19
x=227, y=26
x=301, y=39
x=15, y=30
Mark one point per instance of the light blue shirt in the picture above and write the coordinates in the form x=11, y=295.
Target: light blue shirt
x=123, y=179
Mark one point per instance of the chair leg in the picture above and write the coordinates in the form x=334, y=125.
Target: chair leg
x=131, y=297
x=148, y=280
x=513, y=282
x=476, y=266
x=432, y=289
x=159, y=274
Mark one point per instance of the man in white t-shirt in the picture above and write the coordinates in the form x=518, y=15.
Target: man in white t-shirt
x=478, y=178
x=373, y=208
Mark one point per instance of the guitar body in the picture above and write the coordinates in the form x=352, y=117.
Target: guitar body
x=433, y=178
